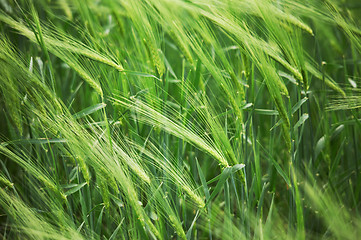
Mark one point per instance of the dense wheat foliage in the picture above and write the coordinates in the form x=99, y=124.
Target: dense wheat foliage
x=180, y=119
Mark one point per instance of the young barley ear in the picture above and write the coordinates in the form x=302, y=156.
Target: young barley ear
x=290, y=68
x=293, y=20
x=324, y=77
x=200, y=203
x=103, y=59
x=271, y=76
x=36, y=88
x=36, y=103
x=286, y=122
x=86, y=77
x=66, y=8
x=109, y=179
x=286, y=136
x=12, y=103
x=142, y=217
x=282, y=87
x=177, y=226
x=155, y=55
x=239, y=87
x=84, y=169
x=15, y=114
x=182, y=47
x=51, y=186
x=104, y=191
x=6, y=181
x=236, y=108
x=56, y=43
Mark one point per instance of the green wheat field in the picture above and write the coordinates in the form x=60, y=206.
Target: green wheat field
x=180, y=119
